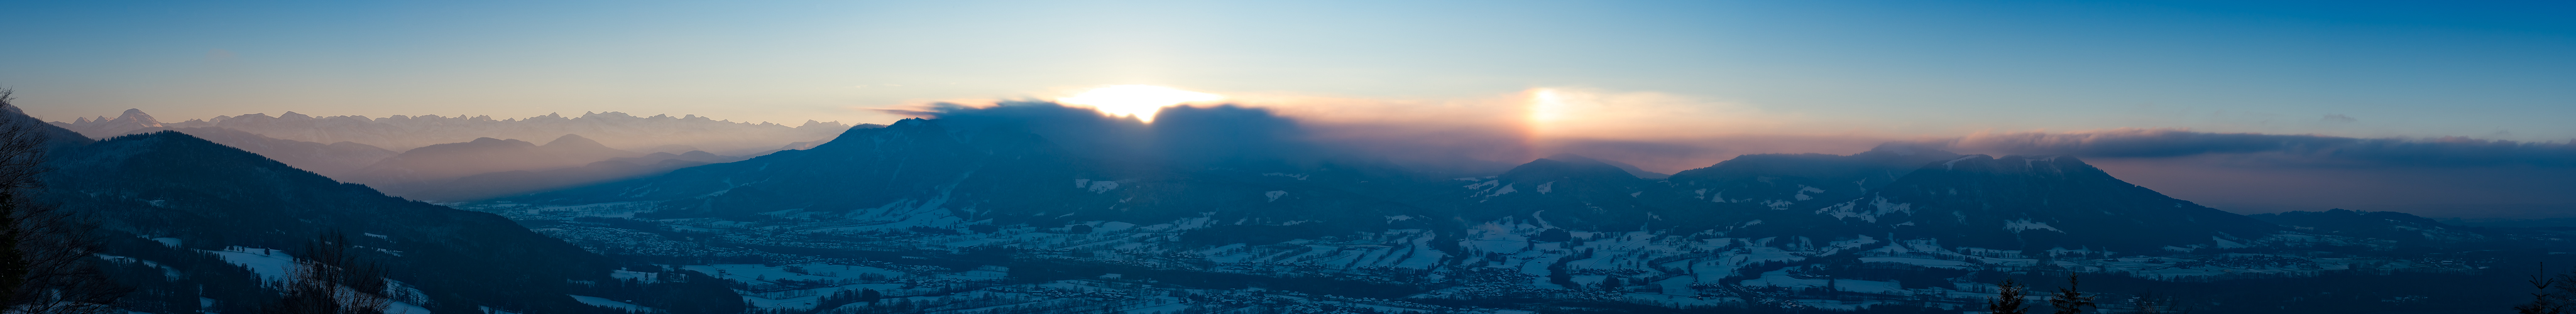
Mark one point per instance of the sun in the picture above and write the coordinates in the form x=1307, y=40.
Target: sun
x=1548, y=111
x=1140, y=101
x=1546, y=106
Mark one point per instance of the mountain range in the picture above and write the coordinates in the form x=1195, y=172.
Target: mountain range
x=429, y=166
x=400, y=133
x=464, y=171
x=1038, y=207
x=338, y=160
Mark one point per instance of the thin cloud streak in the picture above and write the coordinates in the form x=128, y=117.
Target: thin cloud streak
x=2274, y=149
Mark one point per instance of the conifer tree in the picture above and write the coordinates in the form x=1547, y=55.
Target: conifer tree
x=329, y=279
x=2008, y=299
x=2556, y=295
x=2070, y=301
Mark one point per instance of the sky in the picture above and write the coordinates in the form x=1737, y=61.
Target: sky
x=2486, y=69
x=1739, y=76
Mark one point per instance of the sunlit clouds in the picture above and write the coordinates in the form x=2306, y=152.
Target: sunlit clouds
x=1659, y=131
x=1582, y=113
x=1140, y=101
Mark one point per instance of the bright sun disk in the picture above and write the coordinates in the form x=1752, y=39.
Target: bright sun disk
x=1140, y=101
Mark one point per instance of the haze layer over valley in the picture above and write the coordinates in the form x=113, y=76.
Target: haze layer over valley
x=658, y=133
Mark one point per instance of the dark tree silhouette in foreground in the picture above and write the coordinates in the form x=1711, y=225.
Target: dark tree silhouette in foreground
x=2008, y=299
x=2069, y=301
x=47, y=264
x=328, y=279
x=2555, y=294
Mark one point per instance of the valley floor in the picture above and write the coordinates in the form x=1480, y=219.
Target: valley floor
x=796, y=265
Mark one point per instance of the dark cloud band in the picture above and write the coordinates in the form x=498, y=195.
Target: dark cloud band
x=2300, y=149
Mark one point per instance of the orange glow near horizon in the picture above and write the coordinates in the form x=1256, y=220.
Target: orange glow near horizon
x=1140, y=101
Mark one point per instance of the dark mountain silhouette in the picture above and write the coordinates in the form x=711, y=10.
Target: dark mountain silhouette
x=919, y=172
x=1565, y=191
x=1801, y=180
x=2040, y=203
x=336, y=160
x=1631, y=169
x=1775, y=194
x=173, y=199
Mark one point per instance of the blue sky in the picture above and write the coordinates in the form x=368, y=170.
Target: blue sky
x=2500, y=70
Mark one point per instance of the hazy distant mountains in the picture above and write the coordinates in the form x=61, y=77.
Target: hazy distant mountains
x=455, y=160
x=473, y=170
x=488, y=167
x=196, y=227
x=335, y=160
x=400, y=132
x=477, y=167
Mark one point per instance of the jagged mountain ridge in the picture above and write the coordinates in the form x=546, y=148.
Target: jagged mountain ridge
x=401, y=132
x=131, y=119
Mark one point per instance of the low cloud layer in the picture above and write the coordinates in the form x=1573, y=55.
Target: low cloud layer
x=2261, y=173
x=2274, y=149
